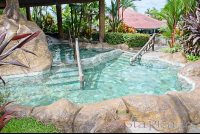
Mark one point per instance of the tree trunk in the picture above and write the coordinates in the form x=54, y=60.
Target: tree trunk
x=12, y=10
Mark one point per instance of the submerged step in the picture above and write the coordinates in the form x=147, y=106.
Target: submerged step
x=126, y=56
x=63, y=70
x=62, y=81
x=124, y=59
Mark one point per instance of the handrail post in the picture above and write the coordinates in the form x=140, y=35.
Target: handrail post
x=71, y=44
x=153, y=42
x=152, y=39
x=81, y=76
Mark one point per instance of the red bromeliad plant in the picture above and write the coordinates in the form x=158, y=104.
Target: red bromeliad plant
x=7, y=116
x=18, y=46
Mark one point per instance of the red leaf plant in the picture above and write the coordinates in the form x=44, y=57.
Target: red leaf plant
x=18, y=46
x=7, y=116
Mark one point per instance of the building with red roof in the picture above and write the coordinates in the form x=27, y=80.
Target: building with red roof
x=141, y=22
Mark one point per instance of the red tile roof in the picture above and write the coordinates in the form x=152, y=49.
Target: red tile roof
x=140, y=21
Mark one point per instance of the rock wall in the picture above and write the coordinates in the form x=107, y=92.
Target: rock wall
x=173, y=112
x=38, y=45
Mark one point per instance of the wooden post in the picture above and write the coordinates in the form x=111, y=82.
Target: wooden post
x=28, y=13
x=59, y=20
x=101, y=20
x=153, y=42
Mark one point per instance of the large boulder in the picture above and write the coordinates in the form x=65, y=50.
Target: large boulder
x=163, y=113
x=38, y=45
x=192, y=69
x=97, y=117
x=22, y=110
x=191, y=102
x=61, y=114
x=178, y=57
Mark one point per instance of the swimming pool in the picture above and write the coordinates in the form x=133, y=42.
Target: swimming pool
x=63, y=54
x=111, y=79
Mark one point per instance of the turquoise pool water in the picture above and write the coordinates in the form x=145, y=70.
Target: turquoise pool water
x=63, y=54
x=108, y=80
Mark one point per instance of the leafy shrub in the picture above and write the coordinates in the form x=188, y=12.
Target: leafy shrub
x=173, y=49
x=165, y=50
x=192, y=57
x=132, y=40
x=136, y=40
x=54, y=28
x=114, y=38
x=95, y=36
x=193, y=27
x=123, y=28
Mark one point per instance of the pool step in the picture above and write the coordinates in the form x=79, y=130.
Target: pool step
x=62, y=80
x=128, y=53
x=124, y=59
x=126, y=56
x=63, y=70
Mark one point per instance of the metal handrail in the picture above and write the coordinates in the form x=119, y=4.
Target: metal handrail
x=81, y=76
x=70, y=39
x=144, y=49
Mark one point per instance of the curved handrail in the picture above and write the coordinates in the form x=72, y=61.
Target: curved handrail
x=145, y=48
x=81, y=76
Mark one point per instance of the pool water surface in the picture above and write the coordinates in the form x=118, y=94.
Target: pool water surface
x=63, y=54
x=108, y=80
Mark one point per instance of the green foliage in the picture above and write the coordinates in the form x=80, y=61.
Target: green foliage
x=54, y=28
x=1, y=11
x=3, y=97
x=165, y=50
x=174, y=49
x=95, y=36
x=28, y=125
x=114, y=21
x=132, y=40
x=172, y=12
x=136, y=40
x=192, y=57
x=114, y=38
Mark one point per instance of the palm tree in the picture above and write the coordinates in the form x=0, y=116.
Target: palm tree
x=114, y=18
x=127, y=3
x=172, y=13
x=12, y=10
x=148, y=12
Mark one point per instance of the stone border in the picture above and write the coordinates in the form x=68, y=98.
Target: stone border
x=174, y=106
x=5, y=78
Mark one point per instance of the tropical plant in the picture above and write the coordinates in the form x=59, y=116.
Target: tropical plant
x=113, y=17
x=7, y=116
x=192, y=57
x=123, y=28
x=18, y=46
x=127, y=3
x=171, y=13
x=148, y=12
x=193, y=26
x=23, y=10
x=1, y=11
